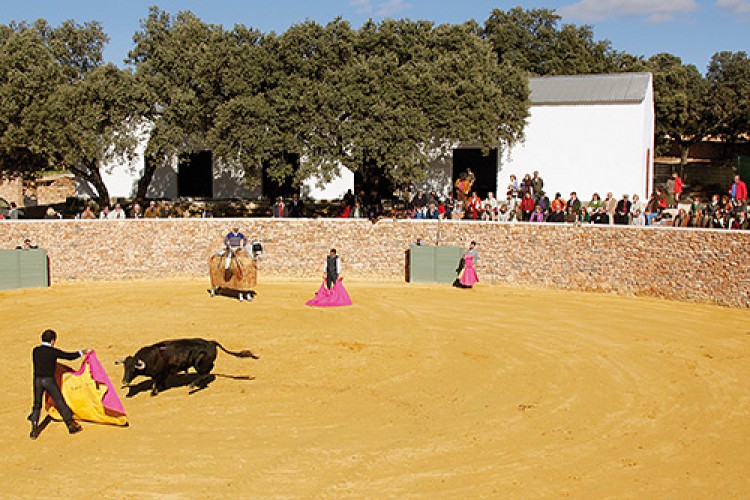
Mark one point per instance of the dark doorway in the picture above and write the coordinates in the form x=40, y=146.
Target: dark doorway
x=483, y=167
x=195, y=175
x=373, y=181
x=272, y=189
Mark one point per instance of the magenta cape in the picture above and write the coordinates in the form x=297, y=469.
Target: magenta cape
x=89, y=393
x=336, y=296
x=110, y=401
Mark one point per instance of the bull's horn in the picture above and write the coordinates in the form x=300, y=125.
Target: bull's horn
x=140, y=365
x=119, y=361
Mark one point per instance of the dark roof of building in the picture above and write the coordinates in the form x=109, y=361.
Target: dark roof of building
x=617, y=88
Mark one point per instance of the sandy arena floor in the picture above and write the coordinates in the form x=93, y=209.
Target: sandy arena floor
x=419, y=390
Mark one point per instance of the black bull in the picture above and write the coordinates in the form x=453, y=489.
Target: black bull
x=160, y=360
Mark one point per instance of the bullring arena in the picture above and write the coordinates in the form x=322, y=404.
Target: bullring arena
x=593, y=362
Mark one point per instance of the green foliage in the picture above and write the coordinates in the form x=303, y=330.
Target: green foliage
x=61, y=107
x=728, y=80
x=381, y=99
x=535, y=41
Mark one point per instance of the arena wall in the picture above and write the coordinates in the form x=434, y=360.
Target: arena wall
x=683, y=264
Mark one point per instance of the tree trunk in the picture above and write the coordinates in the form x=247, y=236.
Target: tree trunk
x=89, y=171
x=684, y=155
x=149, y=168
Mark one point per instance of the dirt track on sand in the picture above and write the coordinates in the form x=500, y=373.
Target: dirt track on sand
x=415, y=389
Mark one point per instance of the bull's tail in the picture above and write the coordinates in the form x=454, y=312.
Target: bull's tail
x=241, y=354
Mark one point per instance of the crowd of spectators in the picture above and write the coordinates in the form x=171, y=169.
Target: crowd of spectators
x=526, y=201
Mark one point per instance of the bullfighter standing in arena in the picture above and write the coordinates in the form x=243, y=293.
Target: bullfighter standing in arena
x=333, y=268
x=45, y=358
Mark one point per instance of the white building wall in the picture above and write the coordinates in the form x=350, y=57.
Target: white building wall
x=584, y=148
x=333, y=190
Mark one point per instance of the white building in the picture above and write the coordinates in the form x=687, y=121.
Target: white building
x=591, y=133
x=588, y=133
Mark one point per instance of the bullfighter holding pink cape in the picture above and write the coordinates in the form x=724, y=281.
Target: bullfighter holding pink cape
x=331, y=292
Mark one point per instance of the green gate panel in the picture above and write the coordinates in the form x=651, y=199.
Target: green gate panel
x=446, y=263
x=23, y=269
x=428, y=264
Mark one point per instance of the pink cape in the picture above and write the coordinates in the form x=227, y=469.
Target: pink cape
x=336, y=296
x=469, y=276
x=110, y=401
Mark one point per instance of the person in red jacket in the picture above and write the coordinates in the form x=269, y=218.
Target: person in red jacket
x=738, y=189
x=527, y=206
x=678, y=187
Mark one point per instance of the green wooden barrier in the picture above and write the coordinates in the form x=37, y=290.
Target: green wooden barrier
x=23, y=269
x=428, y=264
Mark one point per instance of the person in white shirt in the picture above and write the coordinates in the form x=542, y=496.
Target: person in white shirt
x=116, y=213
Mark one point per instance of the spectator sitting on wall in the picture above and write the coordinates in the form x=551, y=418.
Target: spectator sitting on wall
x=458, y=210
x=152, y=212
x=296, y=206
x=432, y=212
x=279, y=208
x=136, y=212
x=698, y=219
x=537, y=215
x=574, y=202
x=14, y=212
x=343, y=211
x=52, y=214
x=557, y=214
x=622, y=211
x=448, y=206
x=474, y=206
x=512, y=204
x=544, y=203
x=740, y=222
x=652, y=209
x=87, y=213
x=504, y=214
x=104, y=213
x=491, y=205
x=638, y=218
x=357, y=212
x=116, y=213
x=696, y=204
x=610, y=206
x=661, y=199
x=558, y=204
x=585, y=216
x=682, y=219
x=571, y=217
x=595, y=203
x=600, y=216
x=27, y=245
x=526, y=206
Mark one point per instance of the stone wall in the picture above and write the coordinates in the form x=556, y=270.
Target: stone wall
x=684, y=264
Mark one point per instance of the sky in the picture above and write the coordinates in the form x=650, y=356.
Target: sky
x=693, y=30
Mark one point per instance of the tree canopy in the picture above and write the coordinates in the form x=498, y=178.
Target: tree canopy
x=380, y=100
x=61, y=107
